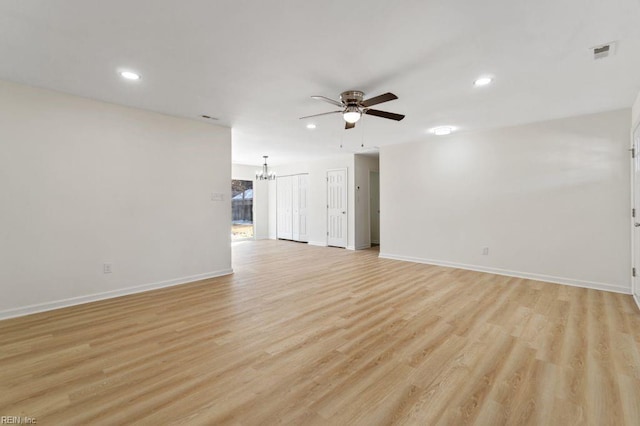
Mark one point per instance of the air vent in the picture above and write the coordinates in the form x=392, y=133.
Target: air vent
x=604, y=50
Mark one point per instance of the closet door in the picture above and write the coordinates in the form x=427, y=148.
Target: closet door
x=284, y=214
x=295, y=202
x=301, y=208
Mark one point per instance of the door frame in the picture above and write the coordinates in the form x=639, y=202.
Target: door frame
x=635, y=250
x=346, y=208
x=370, y=209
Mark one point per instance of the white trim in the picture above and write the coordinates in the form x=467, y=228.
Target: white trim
x=509, y=273
x=363, y=247
x=634, y=280
x=294, y=174
x=637, y=299
x=318, y=243
x=371, y=241
x=79, y=300
x=350, y=247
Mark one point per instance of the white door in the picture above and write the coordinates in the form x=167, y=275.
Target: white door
x=374, y=206
x=636, y=202
x=337, y=208
x=295, y=207
x=300, y=201
x=284, y=226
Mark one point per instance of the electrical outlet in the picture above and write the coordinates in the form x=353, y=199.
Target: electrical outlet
x=485, y=251
x=107, y=268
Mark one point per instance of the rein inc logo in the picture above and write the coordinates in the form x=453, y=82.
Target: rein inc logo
x=17, y=420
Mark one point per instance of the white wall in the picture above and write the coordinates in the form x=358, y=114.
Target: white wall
x=550, y=200
x=85, y=182
x=363, y=165
x=317, y=211
x=260, y=198
x=635, y=112
x=272, y=212
x=261, y=209
x=243, y=172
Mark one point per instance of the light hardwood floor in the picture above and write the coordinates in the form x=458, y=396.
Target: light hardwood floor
x=309, y=335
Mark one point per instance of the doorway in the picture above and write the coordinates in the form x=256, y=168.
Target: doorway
x=241, y=210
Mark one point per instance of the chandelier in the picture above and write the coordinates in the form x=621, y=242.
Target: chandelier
x=264, y=174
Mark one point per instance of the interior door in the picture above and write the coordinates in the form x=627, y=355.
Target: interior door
x=337, y=208
x=295, y=207
x=284, y=226
x=301, y=206
x=636, y=202
x=374, y=206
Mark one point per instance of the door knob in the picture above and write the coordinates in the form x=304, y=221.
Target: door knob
x=346, y=213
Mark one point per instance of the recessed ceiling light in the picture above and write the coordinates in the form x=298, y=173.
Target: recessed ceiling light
x=442, y=130
x=482, y=81
x=129, y=75
x=311, y=126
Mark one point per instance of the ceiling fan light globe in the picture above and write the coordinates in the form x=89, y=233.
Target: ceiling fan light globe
x=351, y=116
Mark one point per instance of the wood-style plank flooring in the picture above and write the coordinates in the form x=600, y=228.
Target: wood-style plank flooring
x=309, y=335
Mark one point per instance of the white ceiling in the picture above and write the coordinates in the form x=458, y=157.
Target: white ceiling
x=255, y=64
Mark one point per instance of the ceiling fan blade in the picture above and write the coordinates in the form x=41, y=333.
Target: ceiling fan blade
x=379, y=99
x=384, y=114
x=348, y=125
x=317, y=115
x=331, y=101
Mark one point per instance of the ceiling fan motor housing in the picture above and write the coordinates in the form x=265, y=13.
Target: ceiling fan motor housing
x=352, y=97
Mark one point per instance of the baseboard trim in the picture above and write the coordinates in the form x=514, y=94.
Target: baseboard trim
x=363, y=247
x=509, y=273
x=637, y=299
x=79, y=300
x=317, y=243
x=350, y=247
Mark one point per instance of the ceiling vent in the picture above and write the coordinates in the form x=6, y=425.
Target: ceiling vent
x=604, y=50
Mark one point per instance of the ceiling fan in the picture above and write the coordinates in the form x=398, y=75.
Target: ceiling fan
x=353, y=106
